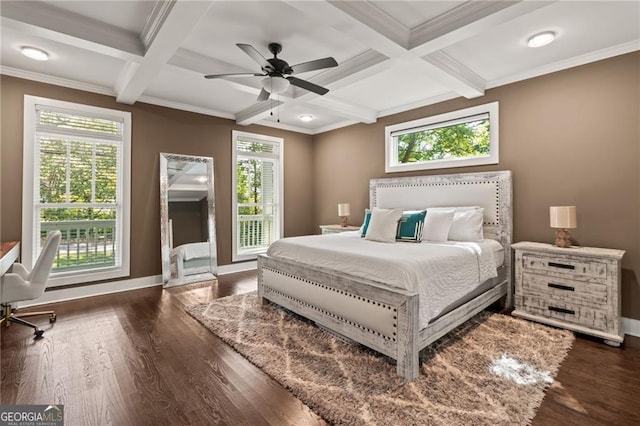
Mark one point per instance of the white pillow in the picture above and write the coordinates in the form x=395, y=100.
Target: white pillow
x=467, y=226
x=437, y=224
x=383, y=225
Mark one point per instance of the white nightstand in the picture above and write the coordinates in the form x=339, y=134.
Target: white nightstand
x=334, y=229
x=577, y=288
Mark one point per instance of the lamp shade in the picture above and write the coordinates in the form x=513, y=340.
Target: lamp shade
x=344, y=209
x=275, y=85
x=563, y=217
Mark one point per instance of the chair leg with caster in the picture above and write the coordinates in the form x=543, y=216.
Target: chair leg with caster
x=37, y=331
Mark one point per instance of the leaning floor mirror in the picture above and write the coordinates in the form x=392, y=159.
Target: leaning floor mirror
x=187, y=219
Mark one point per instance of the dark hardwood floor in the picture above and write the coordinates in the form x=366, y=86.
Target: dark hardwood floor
x=137, y=358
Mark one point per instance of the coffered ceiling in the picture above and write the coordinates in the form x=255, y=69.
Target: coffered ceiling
x=392, y=55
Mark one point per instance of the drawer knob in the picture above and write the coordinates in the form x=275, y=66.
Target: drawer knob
x=561, y=286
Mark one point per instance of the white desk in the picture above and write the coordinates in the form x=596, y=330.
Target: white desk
x=9, y=253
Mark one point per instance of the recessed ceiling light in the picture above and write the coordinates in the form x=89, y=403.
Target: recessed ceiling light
x=34, y=53
x=541, y=39
x=305, y=117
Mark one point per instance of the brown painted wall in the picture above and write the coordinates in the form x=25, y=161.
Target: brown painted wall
x=155, y=129
x=570, y=138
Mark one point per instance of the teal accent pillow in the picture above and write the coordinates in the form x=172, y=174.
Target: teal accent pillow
x=410, y=226
x=365, y=223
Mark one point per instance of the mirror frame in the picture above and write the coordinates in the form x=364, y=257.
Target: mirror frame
x=164, y=215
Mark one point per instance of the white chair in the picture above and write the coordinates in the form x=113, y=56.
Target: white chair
x=19, y=285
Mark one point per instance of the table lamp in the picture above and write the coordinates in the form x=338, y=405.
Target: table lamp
x=344, y=210
x=563, y=218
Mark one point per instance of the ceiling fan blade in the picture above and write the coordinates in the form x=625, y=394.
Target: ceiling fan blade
x=264, y=95
x=239, y=74
x=307, y=85
x=318, y=64
x=254, y=54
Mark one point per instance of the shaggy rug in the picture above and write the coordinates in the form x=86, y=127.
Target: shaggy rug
x=492, y=370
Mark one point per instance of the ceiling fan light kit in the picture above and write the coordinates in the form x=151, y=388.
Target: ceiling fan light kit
x=278, y=73
x=275, y=85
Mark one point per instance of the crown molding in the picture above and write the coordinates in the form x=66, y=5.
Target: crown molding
x=576, y=61
x=283, y=126
x=56, y=81
x=454, y=19
x=335, y=126
x=184, y=107
x=160, y=12
x=419, y=104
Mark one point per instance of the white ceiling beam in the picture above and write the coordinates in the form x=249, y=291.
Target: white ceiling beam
x=455, y=75
x=173, y=26
x=376, y=19
x=466, y=21
x=364, y=65
x=194, y=63
x=256, y=112
x=48, y=22
x=332, y=15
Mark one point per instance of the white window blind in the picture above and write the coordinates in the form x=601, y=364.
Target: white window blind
x=80, y=172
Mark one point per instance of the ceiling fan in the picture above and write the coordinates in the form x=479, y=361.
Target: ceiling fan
x=278, y=72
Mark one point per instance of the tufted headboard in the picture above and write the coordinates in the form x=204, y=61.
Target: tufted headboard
x=490, y=190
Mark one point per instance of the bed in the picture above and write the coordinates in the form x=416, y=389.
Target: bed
x=190, y=259
x=386, y=312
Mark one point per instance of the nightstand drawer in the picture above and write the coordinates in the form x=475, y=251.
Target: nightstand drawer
x=575, y=269
x=569, y=312
x=571, y=291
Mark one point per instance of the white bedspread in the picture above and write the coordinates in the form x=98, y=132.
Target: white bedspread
x=190, y=251
x=440, y=273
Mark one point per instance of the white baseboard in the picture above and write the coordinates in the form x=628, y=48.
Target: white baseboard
x=631, y=326
x=238, y=267
x=90, y=290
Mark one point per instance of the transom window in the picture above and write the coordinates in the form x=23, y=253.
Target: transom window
x=467, y=137
x=76, y=174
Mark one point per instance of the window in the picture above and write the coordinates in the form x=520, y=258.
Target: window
x=467, y=137
x=258, y=189
x=76, y=178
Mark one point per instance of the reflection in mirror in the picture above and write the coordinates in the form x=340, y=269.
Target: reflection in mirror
x=187, y=219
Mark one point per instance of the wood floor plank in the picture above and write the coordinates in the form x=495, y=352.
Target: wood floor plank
x=137, y=358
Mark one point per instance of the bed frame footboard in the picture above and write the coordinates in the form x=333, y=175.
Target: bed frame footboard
x=383, y=319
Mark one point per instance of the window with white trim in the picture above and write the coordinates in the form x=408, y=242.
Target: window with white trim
x=467, y=137
x=76, y=179
x=257, y=193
